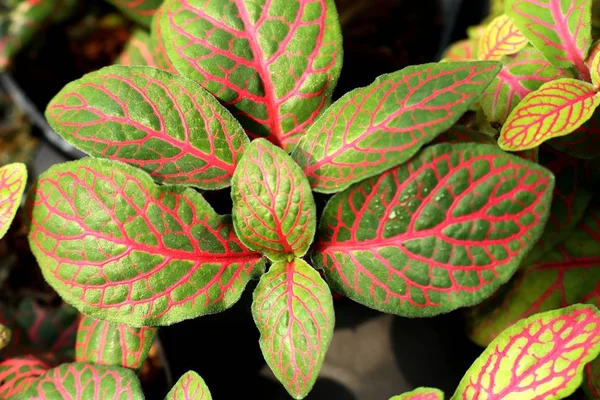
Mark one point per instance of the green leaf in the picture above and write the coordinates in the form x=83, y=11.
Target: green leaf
x=274, y=64
x=293, y=310
x=372, y=129
x=5, y=334
x=86, y=381
x=440, y=232
x=138, y=50
x=273, y=208
x=157, y=42
x=163, y=123
x=120, y=248
x=591, y=379
x=18, y=373
x=141, y=11
x=13, y=178
x=421, y=394
x=559, y=29
x=189, y=386
x=103, y=342
x=541, y=357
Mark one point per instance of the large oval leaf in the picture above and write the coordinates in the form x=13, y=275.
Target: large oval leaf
x=372, y=129
x=273, y=208
x=441, y=232
x=500, y=38
x=13, y=178
x=557, y=108
x=293, y=310
x=17, y=374
x=274, y=65
x=421, y=394
x=538, y=358
x=560, y=29
x=163, y=123
x=120, y=248
x=103, y=342
x=138, y=50
x=141, y=11
x=189, y=387
x=77, y=381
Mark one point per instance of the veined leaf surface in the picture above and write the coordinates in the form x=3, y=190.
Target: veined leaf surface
x=141, y=11
x=189, y=387
x=274, y=64
x=273, y=208
x=538, y=358
x=163, y=123
x=500, y=38
x=566, y=275
x=293, y=310
x=374, y=128
x=591, y=377
x=595, y=68
x=120, y=248
x=17, y=374
x=75, y=381
x=463, y=50
x=440, y=232
x=421, y=394
x=157, y=40
x=13, y=178
x=138, y=50
x=557, y=108
x=103, y=342
x=560, y=29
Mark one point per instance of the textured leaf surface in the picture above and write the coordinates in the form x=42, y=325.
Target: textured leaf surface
x=13, y=178
x=293, y=310
x=560, y=29
x=438, y=233
x=274, y=64
x=521, y=74
x=141, y=11
x=557, y=108
x=591, y=384
x=372, y=129
x=157, y=40
x=541, y=357
x=421, y=394
x=17, y=374
x=120, y=248
x=500, y=38
x=103, y=342
x=165, y=124
x=86, y=381
x=584, y=142
x=138, y=50
x=595, y=69
x=189, y=387
x=463, y=50
x=567, y=275
x=273, y=208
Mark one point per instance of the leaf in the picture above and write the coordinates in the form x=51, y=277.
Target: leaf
x=521, y=74
x=584, y=142
x=463, y=134
x=189, y=387
x=591, y=379
x=500, y=38
x=541, y=357
x=372, y=129
x=274, y=65
x=157, y=41
x=557, y=108
x=120, y=248
x=440, y=232
x=421, y=394
x=273, y=208
x=5, y=334
x=561, y=30
x=141, y=11
x=595, y=69
x=13, y=178
x=138, y=50
x=17, y=374
x=463, y=50
x=18, y=336
x=102, y=342
x=162, y=123
x=86, y=381
x=293, y=310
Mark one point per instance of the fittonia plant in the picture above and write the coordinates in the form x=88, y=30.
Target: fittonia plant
x=424, y=217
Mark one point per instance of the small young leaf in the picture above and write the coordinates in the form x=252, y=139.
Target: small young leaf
x=522, y=73
x=273, y=208
x=189, y=387
x=157, y=42
x=591, y=379
x=538, y=358
x=463, y=50
x=5, y=335
x=141, y=11
x=86, y=381
x=421, y=394
x=13, y=178
x=157, y=121
x=293, y=310
x=557, y=108
x=595, y=69
x=372, y=129
x=584, y=142
x=17, y=374
x=274, y=65
x=138, y=50
x=121, y=248
x=103, y=342
x=18, y=336
x=500, y=38
x=440, y=232
x=560, y=29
